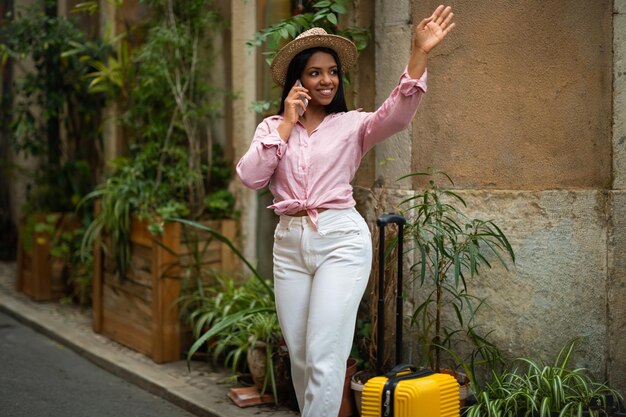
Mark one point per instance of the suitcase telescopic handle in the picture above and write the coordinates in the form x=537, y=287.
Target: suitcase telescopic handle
x=403, y=367
x=385, y=219
x=382, y=221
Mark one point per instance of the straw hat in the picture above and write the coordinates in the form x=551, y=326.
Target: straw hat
x=315, y=37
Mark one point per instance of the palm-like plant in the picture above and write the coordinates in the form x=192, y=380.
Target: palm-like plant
x=451, y=248
x=232, y=319
x=232, y=315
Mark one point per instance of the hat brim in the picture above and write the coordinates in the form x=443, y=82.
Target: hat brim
x=346, y=50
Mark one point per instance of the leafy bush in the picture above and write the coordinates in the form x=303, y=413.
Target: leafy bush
x=531, y=388
x=162, y=87
x=52, y=96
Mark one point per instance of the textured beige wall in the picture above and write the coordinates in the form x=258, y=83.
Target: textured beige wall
x=556, y=291
x=523, y=113
x=518, y=95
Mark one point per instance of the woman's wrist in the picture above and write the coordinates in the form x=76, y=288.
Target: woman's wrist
x=417, y=63
x=284, y=129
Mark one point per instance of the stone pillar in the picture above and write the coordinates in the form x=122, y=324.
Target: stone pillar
x=62, y=7
x=19, y=183
x=616, y=285
x=393, y=34
x=111, y=132
x=619, y=95
x=243, y=75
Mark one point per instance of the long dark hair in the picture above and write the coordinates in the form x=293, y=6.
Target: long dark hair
x=295, y=69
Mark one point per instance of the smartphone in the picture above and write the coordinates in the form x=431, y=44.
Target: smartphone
x=304, y=100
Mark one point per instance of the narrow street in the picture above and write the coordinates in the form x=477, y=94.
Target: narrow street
x=40, y=377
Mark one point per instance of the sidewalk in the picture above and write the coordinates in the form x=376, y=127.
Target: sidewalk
x=201, y=391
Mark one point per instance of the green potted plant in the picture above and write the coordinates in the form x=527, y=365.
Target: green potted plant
x=450, y=249
x=54, y=119
x=247, y=338
x=236, y=321
x=533, y=388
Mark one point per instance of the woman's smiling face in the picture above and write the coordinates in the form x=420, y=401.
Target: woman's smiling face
x=321, y=78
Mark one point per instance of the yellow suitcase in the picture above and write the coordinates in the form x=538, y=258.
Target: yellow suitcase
x=404, y=391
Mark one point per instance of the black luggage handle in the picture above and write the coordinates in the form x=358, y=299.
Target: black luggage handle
x=385, y=219
x=382, y=221
x=411, y=372
x=401, y=368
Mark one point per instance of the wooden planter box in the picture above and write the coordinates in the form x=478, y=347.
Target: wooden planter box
x=39, y=275
x=141, y=311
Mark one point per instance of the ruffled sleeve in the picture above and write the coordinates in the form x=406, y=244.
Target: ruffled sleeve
x=257, y=166
x=396, y=113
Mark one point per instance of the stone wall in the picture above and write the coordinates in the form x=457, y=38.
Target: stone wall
x=616, y=286
x=525, y=110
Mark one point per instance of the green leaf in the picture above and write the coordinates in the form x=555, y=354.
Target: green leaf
x=331, y=18
x=292, y=30
x=323, y=3
x=338, y=8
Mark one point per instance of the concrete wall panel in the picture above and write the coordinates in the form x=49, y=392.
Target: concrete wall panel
x=517, y=96
x=616, y=306
x=557, y=289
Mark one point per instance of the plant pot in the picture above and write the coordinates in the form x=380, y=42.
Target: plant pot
x=39, y=275
x=347, y=402
x=357, y=382
x=257, y=364
x=140, y=310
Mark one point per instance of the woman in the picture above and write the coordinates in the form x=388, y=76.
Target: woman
x=308, y=154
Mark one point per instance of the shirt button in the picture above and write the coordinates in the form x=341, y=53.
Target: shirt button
x=306, y=144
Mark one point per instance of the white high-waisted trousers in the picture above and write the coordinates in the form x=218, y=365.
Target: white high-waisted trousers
x=320, y=276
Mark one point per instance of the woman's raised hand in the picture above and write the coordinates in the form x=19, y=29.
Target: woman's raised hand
x=432, y=30
x=294, y=103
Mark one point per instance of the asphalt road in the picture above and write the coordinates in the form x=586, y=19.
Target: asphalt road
x=39, y=377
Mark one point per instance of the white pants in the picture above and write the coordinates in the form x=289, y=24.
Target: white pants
x=320, y=276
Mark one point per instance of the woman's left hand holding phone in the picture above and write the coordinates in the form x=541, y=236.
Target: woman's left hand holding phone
x=293, y=103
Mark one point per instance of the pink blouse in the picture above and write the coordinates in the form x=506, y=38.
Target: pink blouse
x=314, y=171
